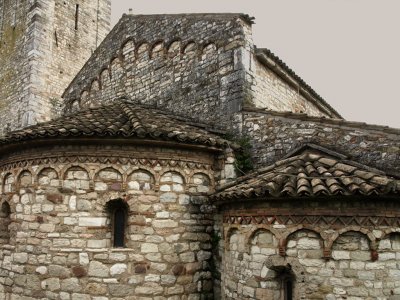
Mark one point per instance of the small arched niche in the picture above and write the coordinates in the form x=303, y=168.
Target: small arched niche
x=25, y=179
x=76, y=178
x=200, y=183
x=108, y=179
x=141, y=180
x=117, y=211
x=48, y=177
x=8, y=183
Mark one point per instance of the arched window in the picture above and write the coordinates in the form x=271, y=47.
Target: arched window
x=285, y=276
x=5, y=213
x=118, y=213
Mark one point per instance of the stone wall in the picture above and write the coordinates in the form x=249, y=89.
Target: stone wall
x=44, y=44
x=273, y=135
x=271, y=92
x=201, y=66
x=330, y=255
x=61, y=224
x=188, y=64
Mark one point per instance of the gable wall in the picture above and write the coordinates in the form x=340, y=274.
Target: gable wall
x=190, y=65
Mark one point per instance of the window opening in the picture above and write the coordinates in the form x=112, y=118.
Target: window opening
x=76, y=16
x=118, y=213
x=288, y=289
x=286, y=277
x=119, y=227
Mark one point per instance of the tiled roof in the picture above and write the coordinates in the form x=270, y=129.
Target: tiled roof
x=120, y=119
x=310, y=172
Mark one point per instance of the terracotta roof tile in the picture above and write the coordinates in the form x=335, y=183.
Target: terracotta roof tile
x=310, y=173
x=120, y=119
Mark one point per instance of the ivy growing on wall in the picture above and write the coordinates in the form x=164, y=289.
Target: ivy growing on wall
x=243, y=161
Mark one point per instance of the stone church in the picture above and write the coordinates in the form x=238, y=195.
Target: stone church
x=172, y=159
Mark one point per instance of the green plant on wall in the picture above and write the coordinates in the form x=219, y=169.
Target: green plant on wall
x=243, y=161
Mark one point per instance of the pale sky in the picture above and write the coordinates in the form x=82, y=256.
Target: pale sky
x=348, y=51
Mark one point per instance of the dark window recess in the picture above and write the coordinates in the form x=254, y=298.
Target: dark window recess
x=288, y=289
x=76, y=16
x=56, y=38
x=118, y=212
x=287, y=279
x=119, y=227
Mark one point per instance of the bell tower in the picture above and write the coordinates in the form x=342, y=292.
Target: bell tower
x=43, y=44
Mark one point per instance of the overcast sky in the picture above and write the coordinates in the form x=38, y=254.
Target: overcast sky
x=348, y=51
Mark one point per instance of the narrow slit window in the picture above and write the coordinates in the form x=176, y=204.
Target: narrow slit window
x=118, y=213
x=76, y=16
x=5, y=212
x=288, y=286
x=119, y=227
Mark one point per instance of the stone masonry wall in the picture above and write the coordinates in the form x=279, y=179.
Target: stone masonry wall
x=41, y=51
x=188, y=64
x=61, y=232
x=273, y=93
x=330, y=254
x=273, y=135
x=15, y=21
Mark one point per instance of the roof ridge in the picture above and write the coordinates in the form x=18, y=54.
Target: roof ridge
x=339, y=122
x=303, y=153
x=296, y=77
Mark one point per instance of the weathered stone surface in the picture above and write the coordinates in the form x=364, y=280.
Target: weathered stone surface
x=97, y=269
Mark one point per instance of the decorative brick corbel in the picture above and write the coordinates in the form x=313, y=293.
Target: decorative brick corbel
x=327, y=254
x=282, y=248
x=374, y=255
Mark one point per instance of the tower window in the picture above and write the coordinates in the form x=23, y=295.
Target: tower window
x=76, y=16
x=118, y=213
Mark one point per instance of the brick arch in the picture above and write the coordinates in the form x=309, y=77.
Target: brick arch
x=104, y=77
x=74, y=105
x=94, y=85
x=371, y=238
x=127, y=46
x=177, y=172
x=142, y=50
x=8, y=183
x=372, y=245
x=388, y=236
x=114, y=182
x=189, y=47
x=255, y=232
x=157, y=49
x=135, y=182
x=116, y=67
x=197, y=186
x=83, y=98
x=69, y=167
x=42, y=171
x=174, y=48
x=209, y=47
x=228, y=235
x=20, y=175
x=283, y=243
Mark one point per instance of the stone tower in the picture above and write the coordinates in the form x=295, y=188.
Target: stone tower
x=39, y=40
